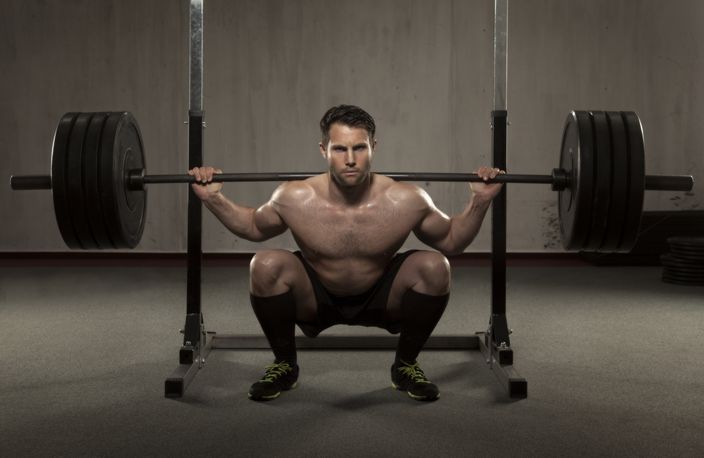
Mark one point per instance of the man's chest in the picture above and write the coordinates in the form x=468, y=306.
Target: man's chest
x=368, y=230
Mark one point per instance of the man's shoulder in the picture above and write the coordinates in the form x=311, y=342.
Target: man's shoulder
x=296, y=189
x=400, y=191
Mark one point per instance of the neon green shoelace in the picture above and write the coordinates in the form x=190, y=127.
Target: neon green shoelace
x=414, y=372
x=274, y=371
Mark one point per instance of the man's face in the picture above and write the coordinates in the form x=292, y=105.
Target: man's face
x=349, y=154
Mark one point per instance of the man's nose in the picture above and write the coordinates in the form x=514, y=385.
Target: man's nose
x=349, y=159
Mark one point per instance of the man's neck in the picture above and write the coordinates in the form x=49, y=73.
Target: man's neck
x=349, y=196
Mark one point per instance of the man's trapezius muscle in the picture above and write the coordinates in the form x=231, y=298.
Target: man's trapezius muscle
x=349, y=224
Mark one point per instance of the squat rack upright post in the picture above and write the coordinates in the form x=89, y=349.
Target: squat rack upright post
x=197, y=342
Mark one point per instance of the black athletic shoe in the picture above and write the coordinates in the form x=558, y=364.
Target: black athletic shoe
x=411, y=379
x=279, y=377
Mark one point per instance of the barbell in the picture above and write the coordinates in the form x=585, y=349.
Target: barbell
x=98, y=180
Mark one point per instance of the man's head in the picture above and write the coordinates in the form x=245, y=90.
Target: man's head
x=347, y=143
x=348, y=115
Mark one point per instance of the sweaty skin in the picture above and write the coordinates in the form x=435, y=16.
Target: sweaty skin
x=350, y=222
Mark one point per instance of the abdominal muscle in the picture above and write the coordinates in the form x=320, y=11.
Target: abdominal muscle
x=348, y=276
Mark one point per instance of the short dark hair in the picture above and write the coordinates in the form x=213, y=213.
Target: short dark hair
x=348, y=115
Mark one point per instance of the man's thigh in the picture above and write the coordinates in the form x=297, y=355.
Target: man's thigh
x=275, y=272
x=426, y=272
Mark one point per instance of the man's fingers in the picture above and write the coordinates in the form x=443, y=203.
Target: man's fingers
x=486, y=173
x=203, y=175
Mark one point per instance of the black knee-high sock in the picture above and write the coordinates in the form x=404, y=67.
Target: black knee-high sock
x=420, y=314
x=277, y=317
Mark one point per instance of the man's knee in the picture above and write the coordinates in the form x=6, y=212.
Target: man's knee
x=266, y=271
x=434, y=272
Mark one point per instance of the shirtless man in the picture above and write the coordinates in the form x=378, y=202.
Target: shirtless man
x=349, y=224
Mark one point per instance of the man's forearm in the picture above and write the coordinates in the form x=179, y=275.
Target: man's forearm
x=465, y=226
x=238, y=219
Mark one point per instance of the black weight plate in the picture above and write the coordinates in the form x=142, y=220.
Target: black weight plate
x=75, y=179
x=59, y=185
x=577, y=159
x=687, y=251
x=670, y=260
x=685, y=269
x=686, y=257
x=122, y=151
x=619, y=182
x=684, y=275
x=602, y=180
x=681, y=282
x=697, y=242
x=91, y=174
x=636, y=183
x=687, y=248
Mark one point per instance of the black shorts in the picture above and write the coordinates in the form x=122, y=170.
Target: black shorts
x=366, y=309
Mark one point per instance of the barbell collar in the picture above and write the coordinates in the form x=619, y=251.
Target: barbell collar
x=30, y=182
x=669, y=182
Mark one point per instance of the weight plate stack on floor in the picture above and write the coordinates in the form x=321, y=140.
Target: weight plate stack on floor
x=684, y=264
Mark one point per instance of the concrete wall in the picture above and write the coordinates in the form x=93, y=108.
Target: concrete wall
x=422, y=68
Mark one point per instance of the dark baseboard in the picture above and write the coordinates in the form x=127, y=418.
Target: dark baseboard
x=141, y=259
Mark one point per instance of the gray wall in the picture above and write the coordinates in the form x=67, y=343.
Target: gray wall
x=422, y=68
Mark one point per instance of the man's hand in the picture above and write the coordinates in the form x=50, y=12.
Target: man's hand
x=204, y=188
x=486, y=191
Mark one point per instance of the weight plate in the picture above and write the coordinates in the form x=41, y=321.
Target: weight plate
x=687, y=250
x=59, y=184
x=681, y=282
x=91, y=174
x=669, y=260
x=74, y=181
x=602, y=179
x=682, y=277
x=687, y=241
x=636, y=180
x=685, y=256
x=685, y=268
x=122, y=151
x=684, y=274
x=619, y=182
x=575, y=201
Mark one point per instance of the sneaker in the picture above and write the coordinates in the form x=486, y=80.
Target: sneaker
x=411, y=379
x=279, y=377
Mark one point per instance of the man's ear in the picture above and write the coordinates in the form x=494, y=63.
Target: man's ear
x=323, y=151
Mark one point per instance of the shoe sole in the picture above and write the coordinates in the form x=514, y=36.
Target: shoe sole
x=273, y=396
x=414, y=396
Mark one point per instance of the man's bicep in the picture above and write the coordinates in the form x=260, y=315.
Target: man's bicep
x=268, y=221
x=434, y=227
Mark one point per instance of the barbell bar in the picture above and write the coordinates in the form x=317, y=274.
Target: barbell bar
x=558, y=180
x=98, y=178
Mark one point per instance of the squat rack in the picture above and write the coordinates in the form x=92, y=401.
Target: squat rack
x=494, y=343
